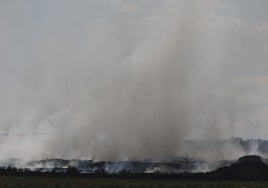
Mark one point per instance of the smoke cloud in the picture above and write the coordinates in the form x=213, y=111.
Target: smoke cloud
x=114, y=80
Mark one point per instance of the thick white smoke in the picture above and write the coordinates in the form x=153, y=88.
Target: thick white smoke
x=111, y=80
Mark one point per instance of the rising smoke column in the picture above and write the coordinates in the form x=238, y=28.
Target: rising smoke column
x=139, y=106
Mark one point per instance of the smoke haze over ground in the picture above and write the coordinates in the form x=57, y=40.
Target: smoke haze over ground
x=114, y=80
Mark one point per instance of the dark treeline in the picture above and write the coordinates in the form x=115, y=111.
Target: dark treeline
x=74, y=172
x=247, y=168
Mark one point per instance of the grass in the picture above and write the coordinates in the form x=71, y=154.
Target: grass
x=75, y=182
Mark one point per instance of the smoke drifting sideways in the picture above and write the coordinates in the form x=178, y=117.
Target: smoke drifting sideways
x=110, y=80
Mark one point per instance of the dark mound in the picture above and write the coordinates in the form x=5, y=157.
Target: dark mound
x=247, y=168
x=250, y=158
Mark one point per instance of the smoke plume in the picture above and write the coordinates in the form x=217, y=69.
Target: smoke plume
x=113, y=80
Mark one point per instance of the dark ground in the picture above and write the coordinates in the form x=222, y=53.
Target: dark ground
x=75, y=182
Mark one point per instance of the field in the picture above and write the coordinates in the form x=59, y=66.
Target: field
x=74, y=182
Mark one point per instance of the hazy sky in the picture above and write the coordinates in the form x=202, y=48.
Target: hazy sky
x=93, y=77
